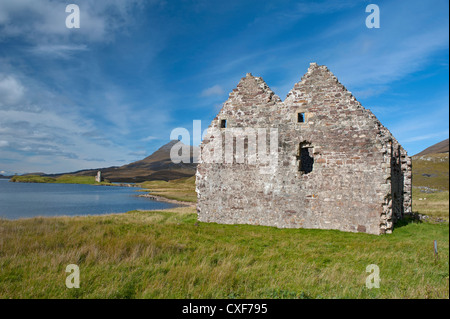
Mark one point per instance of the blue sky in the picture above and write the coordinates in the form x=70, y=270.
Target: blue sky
x=110, y=92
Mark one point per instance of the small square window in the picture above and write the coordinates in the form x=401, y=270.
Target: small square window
x=300, y=117
x=223, y=123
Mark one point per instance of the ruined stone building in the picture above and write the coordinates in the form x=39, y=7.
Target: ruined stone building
x=98, y=177
x=336, y=166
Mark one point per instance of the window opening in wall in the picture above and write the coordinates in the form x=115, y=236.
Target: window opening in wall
x=305, y=158
x=223, y=123
x=300, y=117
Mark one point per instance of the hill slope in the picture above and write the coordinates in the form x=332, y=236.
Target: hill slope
x=431, y=167
x=157, y=166
x=441, y=147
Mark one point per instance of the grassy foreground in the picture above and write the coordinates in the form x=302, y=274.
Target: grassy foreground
x=64, y=179
x=171, y=255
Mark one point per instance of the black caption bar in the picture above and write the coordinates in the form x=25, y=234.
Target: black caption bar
x=216, y=308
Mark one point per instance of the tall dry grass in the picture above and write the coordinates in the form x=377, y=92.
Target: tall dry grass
x=171, y=255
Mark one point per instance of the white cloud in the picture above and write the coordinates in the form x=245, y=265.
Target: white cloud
x=138, y=153
x=369, y=58
x=426, y=137
x=44, y=20
x=58, y=50
x=306, y=8
x=4, y=143
x=52, y=142
x=11, y=90
x=215, y=90
x=149, y=138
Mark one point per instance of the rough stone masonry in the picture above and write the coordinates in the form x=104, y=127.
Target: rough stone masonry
x=337, y=166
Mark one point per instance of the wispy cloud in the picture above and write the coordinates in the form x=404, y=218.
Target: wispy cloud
x=214, y=90
x=149, y=138
x=63, y=137
x=44, y=20
x=441, y=134
x=58, y=50
x=4, y=143
x=12, y=91
x=94, y=160
x=136, y=69
x=138, y=153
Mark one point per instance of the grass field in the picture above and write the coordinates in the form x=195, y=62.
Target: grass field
x=432, y=204
x=182, y=189
x=171, y=255
x=431, y=171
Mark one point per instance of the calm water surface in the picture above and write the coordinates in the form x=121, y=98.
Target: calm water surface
x=22, y=200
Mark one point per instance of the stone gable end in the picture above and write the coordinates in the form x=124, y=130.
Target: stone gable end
x=333, y=165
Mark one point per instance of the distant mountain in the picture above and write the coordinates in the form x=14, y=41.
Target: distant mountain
x=157, y=166
x=441, y=147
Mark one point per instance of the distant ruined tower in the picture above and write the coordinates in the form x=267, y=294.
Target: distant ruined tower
x=98, y=178
x=333, y=165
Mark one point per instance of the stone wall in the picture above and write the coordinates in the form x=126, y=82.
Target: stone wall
x=339, y=169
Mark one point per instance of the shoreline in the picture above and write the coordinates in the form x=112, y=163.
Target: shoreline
x=167, y=200
x=75, y=183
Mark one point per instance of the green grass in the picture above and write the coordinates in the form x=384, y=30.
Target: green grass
x=64, y=179
x=433, y=204
x=431, y=171
x=434, y=165
x=180, y=189
x=171, y=255
x=32, y=179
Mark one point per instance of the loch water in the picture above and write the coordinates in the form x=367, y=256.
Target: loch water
x=24, y=200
